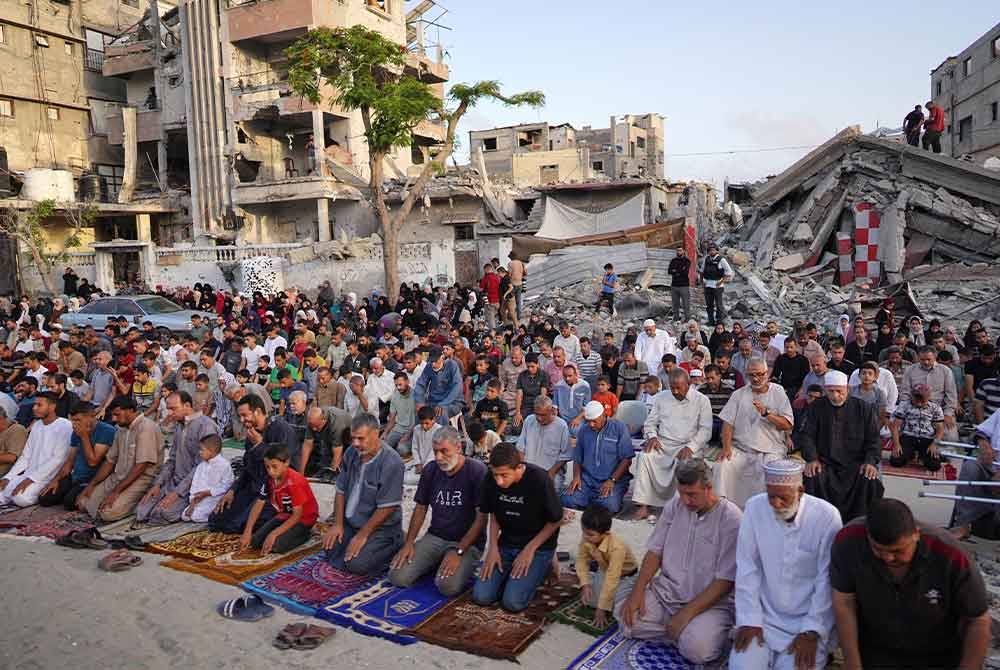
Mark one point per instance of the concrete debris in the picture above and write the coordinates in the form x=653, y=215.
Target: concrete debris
x=879, y=197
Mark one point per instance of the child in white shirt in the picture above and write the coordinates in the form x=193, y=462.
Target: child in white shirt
x=210, y=481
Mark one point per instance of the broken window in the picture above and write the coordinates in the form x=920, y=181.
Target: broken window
x=416, y=155
x=530, y=139
x=631, y=149
x=52, y=113
x=598, y=166
x=42, y=41
x=995, y=47
x=640, y=142
x=965, y=129
x=381, y=5
x=993, y=112
x=489, y=144
x=465, y=231
x=3, y=38
x=967, y=67
x=6, y=108
x=131, y=3
x=548, y=174
x=113, y=175
x=68, y=48
x=937, y=88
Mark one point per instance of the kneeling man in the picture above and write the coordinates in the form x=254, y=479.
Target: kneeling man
x=450, y=485
x=693, y=548
x=367, y=530
x=784, y=615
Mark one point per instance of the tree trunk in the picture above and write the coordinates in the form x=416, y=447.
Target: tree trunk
x=41, y=265
x=390, y=228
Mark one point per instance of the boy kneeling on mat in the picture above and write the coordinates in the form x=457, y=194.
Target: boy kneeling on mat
x=294, y=504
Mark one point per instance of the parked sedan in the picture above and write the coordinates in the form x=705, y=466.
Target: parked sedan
x=164, y=314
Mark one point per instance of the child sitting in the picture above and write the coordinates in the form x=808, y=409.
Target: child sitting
x=204, y=400
x=650, y=387
x=492, y=411
x=210, y=481
x=483, y=440
x=605, y=396
x=293, y=502
x=616, y=564
x=423, y=435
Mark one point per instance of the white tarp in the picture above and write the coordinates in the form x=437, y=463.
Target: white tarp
x=562, y=222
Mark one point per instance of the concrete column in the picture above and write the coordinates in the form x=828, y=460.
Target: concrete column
x=143, y=229
x=318, y=139
x=104, y=275
x=161, y=163
x=322, y=220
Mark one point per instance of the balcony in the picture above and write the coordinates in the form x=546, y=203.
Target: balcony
x=270, y=20
x=147, y=126
x=428, y=132
x=427, y=70
x=311, y=187
x=124, y=59
x=267, y=95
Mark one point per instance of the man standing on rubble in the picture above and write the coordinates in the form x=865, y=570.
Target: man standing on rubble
x=933, y=127
x=652, y=343
x=680, y=285
x=912, y=123
x=715, y=272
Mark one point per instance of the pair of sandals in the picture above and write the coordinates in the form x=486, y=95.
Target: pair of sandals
x=85, y=538
x=119, y=560
x=302, y=636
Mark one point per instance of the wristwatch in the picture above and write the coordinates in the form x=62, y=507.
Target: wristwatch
x=766, y=412
x=613, y=480
x=460, y=551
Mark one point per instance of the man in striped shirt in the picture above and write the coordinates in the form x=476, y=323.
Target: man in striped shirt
x=588, y=362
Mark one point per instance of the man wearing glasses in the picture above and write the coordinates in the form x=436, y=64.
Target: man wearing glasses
x=755, y=422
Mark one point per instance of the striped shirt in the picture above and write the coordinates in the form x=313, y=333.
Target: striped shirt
x=589, y=366
x=988, y=393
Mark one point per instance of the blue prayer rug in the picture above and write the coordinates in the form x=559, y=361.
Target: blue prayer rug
x=307, y=585
x=384, y=610
x=614, y=651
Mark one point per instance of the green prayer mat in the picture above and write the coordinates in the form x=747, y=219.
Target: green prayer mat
x=581, y=617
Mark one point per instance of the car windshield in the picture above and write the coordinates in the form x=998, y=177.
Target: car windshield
x=158, y=306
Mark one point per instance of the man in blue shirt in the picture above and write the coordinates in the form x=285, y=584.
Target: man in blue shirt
x=440, y=386
x=569, y=396
x=601, y=462
x=90, y=442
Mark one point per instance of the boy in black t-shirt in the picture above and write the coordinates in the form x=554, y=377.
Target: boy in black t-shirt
x=523, y=513
x=492, y=410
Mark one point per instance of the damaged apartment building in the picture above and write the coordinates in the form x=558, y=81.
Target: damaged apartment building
x=203, y=162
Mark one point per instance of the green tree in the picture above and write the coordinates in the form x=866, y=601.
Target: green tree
x=368, y=72
x=25, y=228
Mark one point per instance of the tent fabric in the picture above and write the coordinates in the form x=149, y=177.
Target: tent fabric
x=563, y=222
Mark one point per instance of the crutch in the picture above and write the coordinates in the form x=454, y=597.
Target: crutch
x=948, y=496
x=958, y=482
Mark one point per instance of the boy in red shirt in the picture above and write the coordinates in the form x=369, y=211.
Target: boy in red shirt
x=605, y=396
x=294, y=505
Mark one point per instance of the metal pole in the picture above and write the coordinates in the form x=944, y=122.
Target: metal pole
x=946, y=496
x=958, y=482
x=957, y=445
x=963, y=457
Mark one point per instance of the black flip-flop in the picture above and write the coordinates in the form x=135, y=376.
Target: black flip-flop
x=134, y=542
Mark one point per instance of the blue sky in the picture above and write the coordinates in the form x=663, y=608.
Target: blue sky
x=726, y=76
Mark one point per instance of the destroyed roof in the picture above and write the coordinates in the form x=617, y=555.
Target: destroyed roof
x=597, y=185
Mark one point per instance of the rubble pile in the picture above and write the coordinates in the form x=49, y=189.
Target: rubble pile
x=859, y=211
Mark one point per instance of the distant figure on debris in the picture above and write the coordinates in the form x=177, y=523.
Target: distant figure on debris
x=680, y=285
x=906, y=596
x=715, y=272
x=367, y=530
x=450, y=486
x=933, y=127
x=784, y=614
x=524, y=514
x=912, y=123
x=693, y=548
x=609, y=285
x=840, y=442
x=44, y=452
x=652, y=343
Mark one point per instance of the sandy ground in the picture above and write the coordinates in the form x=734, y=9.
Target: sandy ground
x=59, y=610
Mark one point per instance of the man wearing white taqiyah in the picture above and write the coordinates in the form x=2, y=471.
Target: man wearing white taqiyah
x=755, y=421
x=652, y=343
x=784, y=608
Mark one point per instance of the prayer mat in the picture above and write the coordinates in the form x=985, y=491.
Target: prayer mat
x=50, y=522
x=201, y=545
x=235, y=566
x=918, y=471
x=156, y=534
x=490, y=631
x=615, y=652
x=385, y=611
x=581, y=617
x=307, y=585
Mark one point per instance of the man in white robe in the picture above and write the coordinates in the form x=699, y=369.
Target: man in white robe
x=784, y=606
x=42, y=457
x=755, y=421
x=678, y=427
x=652, y=343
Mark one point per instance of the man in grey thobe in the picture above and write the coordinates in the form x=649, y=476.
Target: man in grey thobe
x=684, y=591
x=167, y=498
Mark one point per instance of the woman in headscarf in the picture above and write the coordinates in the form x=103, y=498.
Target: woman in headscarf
x=916, y=328
x=970, y=333
x=738, y=333
x=887, y=312
x=844, y=328
x=858, y=325
x=691, y=328
x=715, y=341
x=885, y=337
